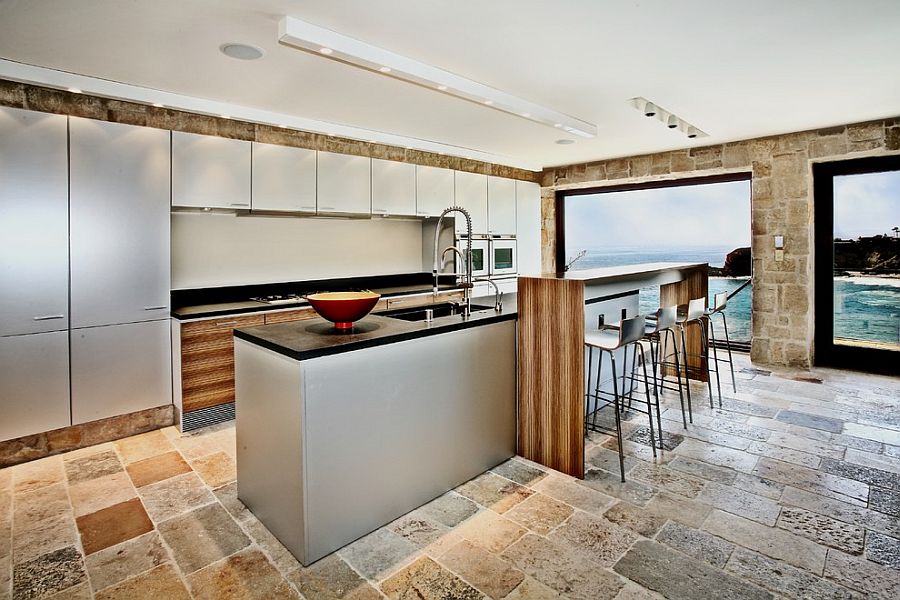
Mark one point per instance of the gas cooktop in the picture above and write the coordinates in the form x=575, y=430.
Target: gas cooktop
x=279, y=299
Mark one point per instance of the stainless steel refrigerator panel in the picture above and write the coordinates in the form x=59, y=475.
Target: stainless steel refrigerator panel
x=34, y=383
x=119, y=369
x=34, y=221
x=119, y=223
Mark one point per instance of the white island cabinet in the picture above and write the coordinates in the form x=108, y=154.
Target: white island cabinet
x=344, y=185
x=210, y=172
x=283, y=179
x=393, y=188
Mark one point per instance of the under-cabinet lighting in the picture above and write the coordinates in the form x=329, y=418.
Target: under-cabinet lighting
x=75, y=90
x=312, y=38
x=157, y=105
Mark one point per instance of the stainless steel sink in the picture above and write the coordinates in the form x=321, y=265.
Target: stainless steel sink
x=418, y=313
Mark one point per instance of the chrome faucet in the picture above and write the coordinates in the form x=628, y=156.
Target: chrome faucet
x=467, y=282
x=498, y=295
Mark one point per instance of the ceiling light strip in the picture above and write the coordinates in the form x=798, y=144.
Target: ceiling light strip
x=324, y=42
x=23, y=73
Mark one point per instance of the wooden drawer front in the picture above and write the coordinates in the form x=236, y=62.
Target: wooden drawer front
x=207, y=360
x=291, y=315
x=409, y=301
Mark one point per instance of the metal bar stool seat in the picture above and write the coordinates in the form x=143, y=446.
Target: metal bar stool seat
x=720, y=303
x=630, y=332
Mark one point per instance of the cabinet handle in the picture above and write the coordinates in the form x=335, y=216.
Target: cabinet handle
x=49, y=317
x=326, y=208
x=307, y=208
x=163, y=307
x=240, y=204
x=379, y=210
x=223, y=323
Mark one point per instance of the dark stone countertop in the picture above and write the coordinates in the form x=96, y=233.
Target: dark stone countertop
x=313, y=338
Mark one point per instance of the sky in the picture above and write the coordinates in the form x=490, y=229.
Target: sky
x=867, y=204
x=708, y=215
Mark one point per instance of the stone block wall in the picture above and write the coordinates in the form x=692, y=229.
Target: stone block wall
x=781, y=202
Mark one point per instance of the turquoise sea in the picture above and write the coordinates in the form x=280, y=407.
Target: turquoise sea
x=866, y=308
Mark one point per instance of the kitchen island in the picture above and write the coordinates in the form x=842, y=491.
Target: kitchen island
x=555, y=309
x=341, y=433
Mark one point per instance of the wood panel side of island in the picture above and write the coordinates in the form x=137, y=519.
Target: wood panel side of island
x=551, y=373
x=694, y=285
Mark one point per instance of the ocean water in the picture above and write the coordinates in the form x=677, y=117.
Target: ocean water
x=866, y=308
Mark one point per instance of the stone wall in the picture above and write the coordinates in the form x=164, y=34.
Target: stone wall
x=32, y=97
x=781, y=204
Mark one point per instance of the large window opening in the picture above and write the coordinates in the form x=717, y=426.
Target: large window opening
x=692, y=220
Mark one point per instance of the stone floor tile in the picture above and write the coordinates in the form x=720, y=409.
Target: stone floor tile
x=439, y=546
x=37, y=474
x=670, y=441
x=641, y=451
x=681, y=577
x=782, y=578
x=247, y=575
x=878, y=434
x=417, y=529
x=488, y=573
x=672, y=481
x=804, y=444
x=280, y=556
x=739, y=502
x=563, y=569
x=92, y=466
x=835, y=486
x=883, y=549
x=113, y=525
x=596, y=537
x=611, y=485
x=767, y=423
x=427, y=580
x=228, y=496
x=161, y=582
x=857, y=443
x=608, y=460
x=717, y=455
x=82, y=591
x=770, y=541
x=567, y=490
x=858, y=573
x=532, y=589
x=539, y=513
x=822, y=529
x=329, y=579
x=175, y=496
x=790, y=455
x=868, y=475
x=36, y=506
x=216, y=469
x=202, y=536
x=642, y=521
x=703, y=470
x=516, y=470
x=145, y=445
x=885, y=501
x=48, y=574
x=812, y=421
x=696, y=543
x=88, y=450
x=494, y=492
x=157, y=468
x=842, y=511
x=450, y=509
x=716, y=438
x=117, y=563
x=101, y=492
x=759, y=486
x=876, y=461
x=738, y=429
x=378, y=554
x=678, y=508
x=491, y=531
x=46, y=536
x=5, y=577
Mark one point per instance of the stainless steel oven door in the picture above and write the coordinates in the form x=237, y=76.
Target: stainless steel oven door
x=480, y=257
x=503, y=257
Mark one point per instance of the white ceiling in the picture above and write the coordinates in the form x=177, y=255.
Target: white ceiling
x=734, y=69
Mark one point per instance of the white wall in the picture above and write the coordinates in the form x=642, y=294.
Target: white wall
x=221, y=249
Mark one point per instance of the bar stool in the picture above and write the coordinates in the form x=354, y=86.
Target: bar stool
x=720, y=302
x=630, y=332
x=696, y=316
x=659, y=333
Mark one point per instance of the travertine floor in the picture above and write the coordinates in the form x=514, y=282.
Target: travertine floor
x=792, y=489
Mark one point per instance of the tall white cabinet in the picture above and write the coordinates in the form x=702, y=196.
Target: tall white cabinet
x=119, y=244
x=34, y=257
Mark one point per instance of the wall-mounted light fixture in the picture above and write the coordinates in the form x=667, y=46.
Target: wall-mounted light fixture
x=672, y=121
x=335, y=46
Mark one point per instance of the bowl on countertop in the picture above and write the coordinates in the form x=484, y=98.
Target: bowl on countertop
x=343, y=308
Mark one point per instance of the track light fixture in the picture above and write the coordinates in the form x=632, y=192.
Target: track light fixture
x=671, y=120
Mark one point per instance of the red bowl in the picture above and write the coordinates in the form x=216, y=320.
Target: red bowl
x=342, y=308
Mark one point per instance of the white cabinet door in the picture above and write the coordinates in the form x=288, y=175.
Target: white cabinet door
x=120, y=369
x=34, y=383
x=471, y=194
x=284, y=178
x=528, y=227
x=501, y=206
x=345, y=184
x=393, y=188
x=210, y=172
x=34, y=223
x=434, y=190
x=119, y=232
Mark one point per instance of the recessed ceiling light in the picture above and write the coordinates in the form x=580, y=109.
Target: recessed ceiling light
x=225, y=116
x=157, y=105
x=75, y=90
x=565, y=142
x=385, y=69
x=241, y=51
x=283, y=126
x=326, y=51
x=488, y=102
x=443, y=88
x=557, y=125
x=526, y=115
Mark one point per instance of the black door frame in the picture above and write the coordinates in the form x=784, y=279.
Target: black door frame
x=827, y=353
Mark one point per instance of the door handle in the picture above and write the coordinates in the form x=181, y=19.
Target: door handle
x=49, y=317
x=163, y=307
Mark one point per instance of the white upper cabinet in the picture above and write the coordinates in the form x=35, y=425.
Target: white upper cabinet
x=119, y=223
x=434, y=190
x=34, y=223
x=284, y=178
x=471, y=194
x=393, y=188
x=210, y=172
x=344, y=184
x=528, y=227
x=501, y=206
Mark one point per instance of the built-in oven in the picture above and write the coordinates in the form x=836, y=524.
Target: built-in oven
x=480, y=257
x=502, y=252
